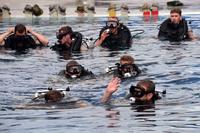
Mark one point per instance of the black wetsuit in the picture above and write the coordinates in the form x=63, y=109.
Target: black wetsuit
x=173, y=32
x=121, y=40
x=74, y=47
x=19, y=42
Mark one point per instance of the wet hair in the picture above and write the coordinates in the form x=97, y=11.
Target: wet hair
x=127, y=58
x=66, y=30
x=72, y=63
x=150, y=85
x=53, y=96
x=176, y=10
x=20, y=28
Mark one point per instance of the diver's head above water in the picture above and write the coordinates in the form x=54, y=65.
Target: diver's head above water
x=64, y=35
x=53, y=96
x=112, y=24
x=20, y=30
x=73, y=69
x=125, y=68
x=175, y=16
x=144, y=91
x=50, y=95
x=126, y=59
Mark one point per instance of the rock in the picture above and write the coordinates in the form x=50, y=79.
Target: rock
x=56, y=10
x=28, y=8
x=37, y=11
x=174, y=3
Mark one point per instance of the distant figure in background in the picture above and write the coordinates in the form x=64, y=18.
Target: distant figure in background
x=114, y=35
x=174, y=28
x=146, y=9
x=5, y=11
x=112, y=10
x=80, y=10
x=91, y=11
x=57, y=10
x=124, y=10
x=17, y=38
x=30, y=11
x=146, y=12
x=90, y=8
x=154, y=11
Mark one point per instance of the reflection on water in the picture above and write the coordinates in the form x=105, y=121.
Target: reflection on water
x=173, y=67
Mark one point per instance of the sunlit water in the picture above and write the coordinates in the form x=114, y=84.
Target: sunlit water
x=173, y=67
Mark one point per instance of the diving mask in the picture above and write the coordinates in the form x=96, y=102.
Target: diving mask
x=128, y=70
x=74, y=71
x=137, y=91
x=112, y=24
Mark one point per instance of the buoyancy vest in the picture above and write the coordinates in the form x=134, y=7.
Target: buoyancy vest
x=117, y=41
x=75, y=46
x=173, y=32
x=19, y=42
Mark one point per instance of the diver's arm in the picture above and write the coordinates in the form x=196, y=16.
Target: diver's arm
x=163, y=30
x=4, y=35
x=111, y=88
x=100, y=40
x=42, y=39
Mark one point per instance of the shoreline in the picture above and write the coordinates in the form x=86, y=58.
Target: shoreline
x=161, y=13
x=101, y=7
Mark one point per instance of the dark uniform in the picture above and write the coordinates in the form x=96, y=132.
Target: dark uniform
x=173, y=32
x=19, y=42
x=74, y=47
x=121, y=40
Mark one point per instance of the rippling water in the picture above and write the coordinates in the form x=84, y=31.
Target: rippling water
x=173, y=67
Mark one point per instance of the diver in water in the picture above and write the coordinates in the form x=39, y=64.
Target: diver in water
x=114, y=35
x=68, y=40
x=75, y=70
x=126, y=68
x=17, y=38
x=51, y=95
x=174, y=28
x=53, y=99
x=143, y=92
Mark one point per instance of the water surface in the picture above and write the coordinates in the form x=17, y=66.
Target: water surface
x=173, y=67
